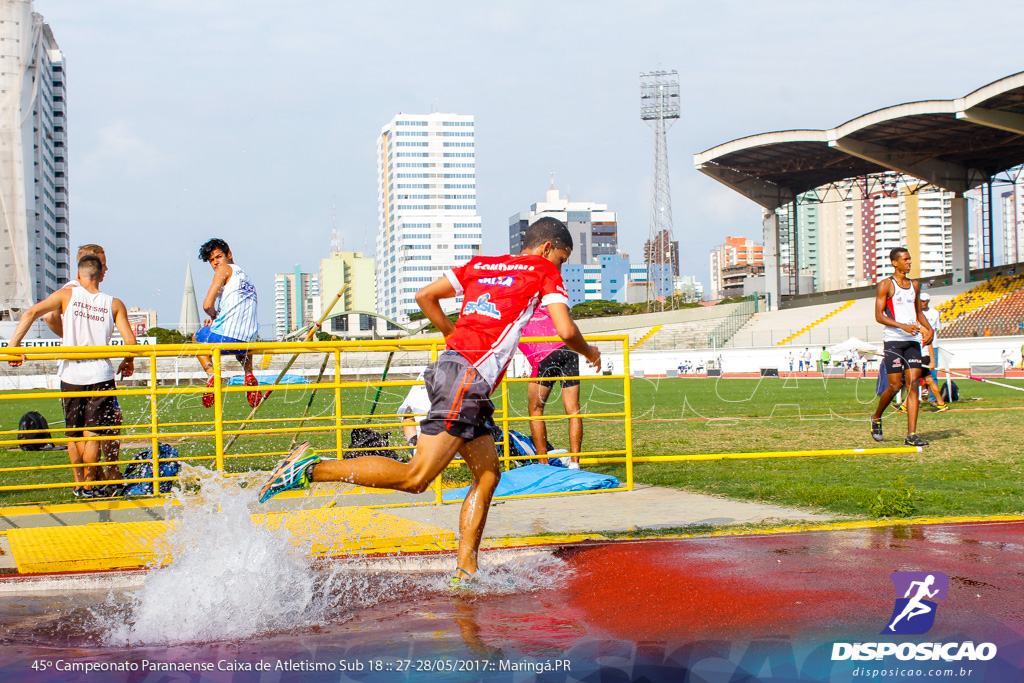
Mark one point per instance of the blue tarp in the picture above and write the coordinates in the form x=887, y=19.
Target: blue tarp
x=236, y=380
x=543, y=479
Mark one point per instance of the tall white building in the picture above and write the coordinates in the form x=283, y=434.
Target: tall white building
x=35, y=252
x=593, y=227
x=426, y=203
x=1013, y=223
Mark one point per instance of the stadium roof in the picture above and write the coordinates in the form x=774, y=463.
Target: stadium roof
x=953, y=144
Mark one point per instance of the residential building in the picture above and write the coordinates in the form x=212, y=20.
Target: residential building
x=426, y=200
x=1013, y=223
x=593, y=227
x=737, y=251
x=663, y=251
x=359, y=273
x=296, y=301
x=35, y=250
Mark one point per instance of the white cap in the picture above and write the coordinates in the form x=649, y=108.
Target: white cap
x=925, y=296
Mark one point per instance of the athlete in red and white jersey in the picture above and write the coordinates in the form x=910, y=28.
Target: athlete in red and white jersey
x=500, y=294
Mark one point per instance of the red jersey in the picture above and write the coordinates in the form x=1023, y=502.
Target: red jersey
x=500, y=294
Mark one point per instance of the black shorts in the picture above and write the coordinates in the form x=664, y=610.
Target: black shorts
x=902, y=355
x=559, y=363
x=925, y=370
x=89, y=412
x=460, y=399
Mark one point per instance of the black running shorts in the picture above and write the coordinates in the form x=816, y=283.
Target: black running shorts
x=559, y=363
x=460, y=399
x=925, y=370
x=89, y=412
x=902, y=355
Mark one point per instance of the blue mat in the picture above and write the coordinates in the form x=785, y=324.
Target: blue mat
x=236, y=380
x=542, y=479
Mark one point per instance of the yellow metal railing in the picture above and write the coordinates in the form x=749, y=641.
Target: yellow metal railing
x=213, y=437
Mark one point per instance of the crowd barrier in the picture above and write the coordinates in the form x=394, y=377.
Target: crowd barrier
x=211, y=441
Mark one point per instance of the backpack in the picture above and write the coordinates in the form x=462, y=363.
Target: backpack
x=37, y=425
x=519, y=445
x=949, y=392
x=143, y=469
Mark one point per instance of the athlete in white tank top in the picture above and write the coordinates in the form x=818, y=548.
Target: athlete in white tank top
x=88, y=321
x=901, y=306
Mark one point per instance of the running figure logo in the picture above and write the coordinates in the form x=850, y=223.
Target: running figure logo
x=914, y=613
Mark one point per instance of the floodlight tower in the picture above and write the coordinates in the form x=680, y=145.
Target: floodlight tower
x=659, y=106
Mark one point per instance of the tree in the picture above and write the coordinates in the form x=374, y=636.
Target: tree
x=165, y=336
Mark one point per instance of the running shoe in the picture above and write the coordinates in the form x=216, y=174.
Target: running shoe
x=876, y=430
x=255, y=397
x=462, y=581
x=90, y=493
x=914, y=440
x=943, y=408
x=208, y=396
x=77, y=492
x=900, y=408
x=291, y=473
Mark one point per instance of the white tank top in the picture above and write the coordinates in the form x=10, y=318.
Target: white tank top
x=236, y=308
x=88, y=321
x=901, y=307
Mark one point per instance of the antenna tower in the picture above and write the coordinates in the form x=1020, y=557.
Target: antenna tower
x=335, y=245
x=659, y=107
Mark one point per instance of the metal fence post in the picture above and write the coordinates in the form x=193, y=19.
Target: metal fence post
x=628, y=400
x=218, y=411
x=339, y=441
x=154, y=423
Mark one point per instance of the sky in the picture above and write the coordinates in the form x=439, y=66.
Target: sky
x=247, y=119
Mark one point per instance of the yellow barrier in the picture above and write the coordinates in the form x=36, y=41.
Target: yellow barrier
x=209, y=439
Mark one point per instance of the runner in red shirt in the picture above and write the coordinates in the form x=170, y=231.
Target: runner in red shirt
x=500, y=294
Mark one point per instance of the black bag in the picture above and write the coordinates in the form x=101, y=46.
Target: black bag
x=364, y=437
x=949, y=392
x=39, y=430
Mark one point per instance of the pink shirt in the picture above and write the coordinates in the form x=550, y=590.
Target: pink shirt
x=540, y=325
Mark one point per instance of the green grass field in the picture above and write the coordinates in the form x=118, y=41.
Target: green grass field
x=973, y=466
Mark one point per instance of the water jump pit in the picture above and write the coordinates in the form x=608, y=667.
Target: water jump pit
x=320, y=596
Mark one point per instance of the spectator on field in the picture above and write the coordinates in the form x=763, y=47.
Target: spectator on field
x=552, y=359
x=806, y=361
x=789, y=359
x=823, y=361
x=111, y=449
x=88, y=319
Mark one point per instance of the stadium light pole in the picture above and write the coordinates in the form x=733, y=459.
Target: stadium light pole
x=659, y=107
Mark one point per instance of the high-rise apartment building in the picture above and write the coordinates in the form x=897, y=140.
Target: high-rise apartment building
x=35, y=252
x=353, y=269
x=737, y=251
x=593, y=227
x=296, y=301
x=426, y=202
x=1013, y=224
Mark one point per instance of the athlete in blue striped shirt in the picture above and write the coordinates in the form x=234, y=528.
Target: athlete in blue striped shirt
x=231, y=304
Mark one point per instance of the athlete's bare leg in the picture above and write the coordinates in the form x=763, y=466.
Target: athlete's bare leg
x=571, y=401
x=433, y=453
x=537, y=396
x=90, y=451
x=76, y=459
x=112, y=449
x=482, y=458
x=934, y=388
x=895, y=384
x=246, y=362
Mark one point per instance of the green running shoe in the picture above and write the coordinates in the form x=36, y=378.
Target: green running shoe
x=291, y=473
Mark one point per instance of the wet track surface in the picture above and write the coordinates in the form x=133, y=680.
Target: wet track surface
x=657, y=606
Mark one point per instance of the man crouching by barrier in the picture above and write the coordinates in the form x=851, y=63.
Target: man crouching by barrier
x=89, y=317
x=500, y=294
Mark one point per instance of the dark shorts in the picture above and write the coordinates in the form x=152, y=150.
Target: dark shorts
x=460, y=399
x=902, y=355
x=925, y=370
x=206, y=335
x=89, y=412
x=559, y=363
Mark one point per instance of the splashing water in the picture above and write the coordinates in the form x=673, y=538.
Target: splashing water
x=232, y=580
